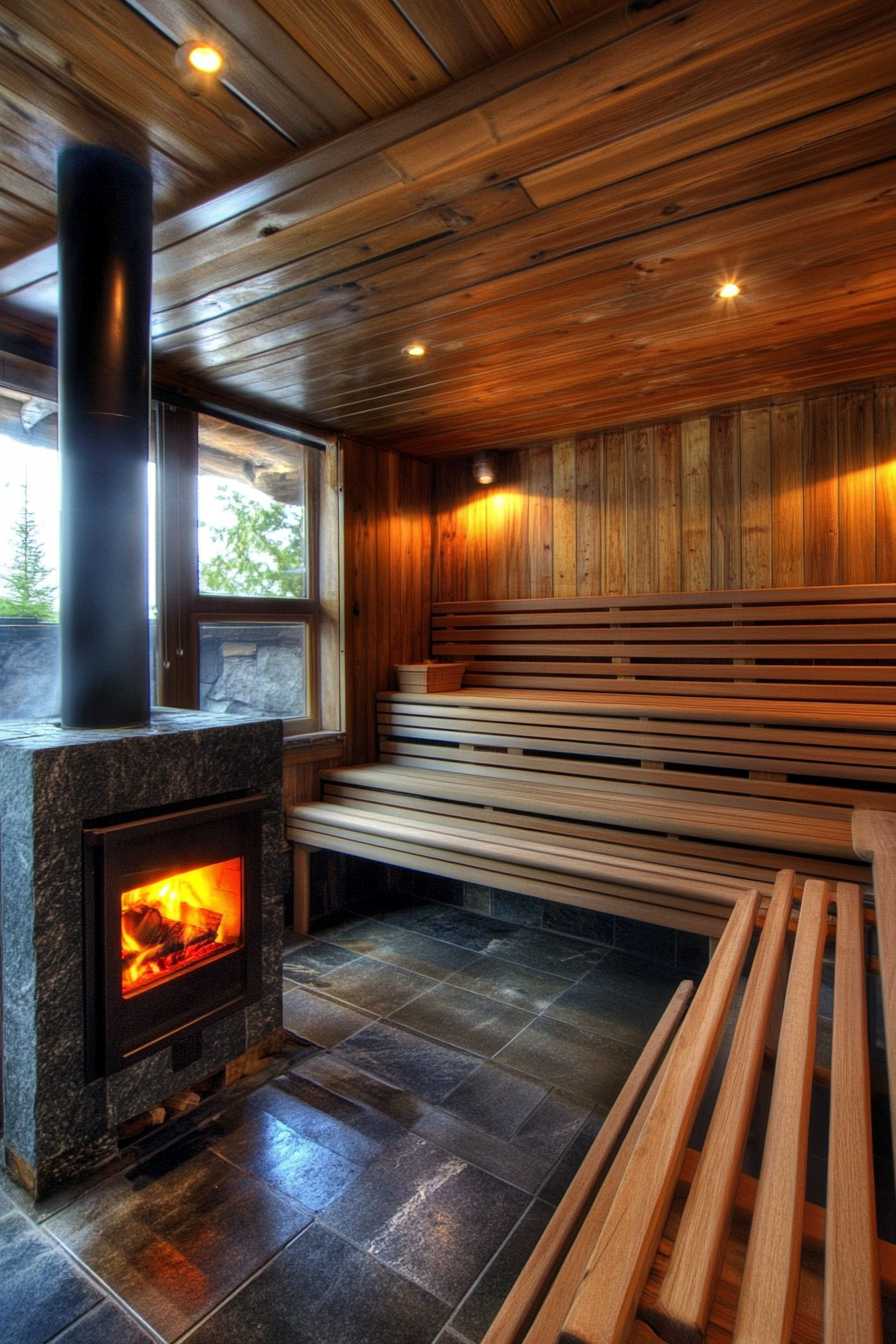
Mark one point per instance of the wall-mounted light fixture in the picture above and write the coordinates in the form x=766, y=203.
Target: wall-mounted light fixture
x=485, y=468
x=729, y=290
x=416, y=350
x=198, y=65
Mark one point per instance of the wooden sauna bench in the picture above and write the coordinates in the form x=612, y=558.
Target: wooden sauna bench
x=655, y=1241
x=644, y=755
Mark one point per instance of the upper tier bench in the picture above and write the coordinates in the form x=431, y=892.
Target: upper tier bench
x=643, y=755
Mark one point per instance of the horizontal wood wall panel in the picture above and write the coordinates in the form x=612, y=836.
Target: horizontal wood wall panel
x=758, y=496
x=388, y=569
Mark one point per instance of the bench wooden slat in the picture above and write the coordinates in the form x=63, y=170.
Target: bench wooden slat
x=852, y=1308
x=435, y=755
x=684, y=615
x=691, y=652
x=771, y=1272
x=876, y=687
x=874, y=838
x=628, y=840
x=604, y=1306
x=682, y=1308
x=719, y=598
x=708, y=708
x=611, y=727
x=520, y=1306
x=869, y=636
x=312, y=817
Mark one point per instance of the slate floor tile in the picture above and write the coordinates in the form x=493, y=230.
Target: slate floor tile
x=557, y=1182
x=554, y=953
x=353, y=1084
x=105, y=1324
x=449, y=923
x=469, y=1021
x=400, y=947
x=595, y=1004
x=519, y=986
x=372, y=985
x=553, y=1125
x=319, y=1020
x=177, y=1246
x=355, y=1131
x=495, y=1099
x=413, y=1201
x=311, y=958
x=320, y=1290
x=475, y=1145
x=640, y=977
x=398, y=1057
x=41, y=1292
x=284, y=1158
x=589, y=1066
x=478, y=1310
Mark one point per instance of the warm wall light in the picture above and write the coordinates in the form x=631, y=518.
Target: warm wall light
x=485, y=468
x=198, y=64
x=416, y=350
x=729, y=291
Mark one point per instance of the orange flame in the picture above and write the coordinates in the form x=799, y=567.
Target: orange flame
x=170, y=925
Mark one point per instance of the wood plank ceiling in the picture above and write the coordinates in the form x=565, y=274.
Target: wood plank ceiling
x=547, y=193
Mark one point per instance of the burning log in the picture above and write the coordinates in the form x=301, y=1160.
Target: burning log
x=152, y=930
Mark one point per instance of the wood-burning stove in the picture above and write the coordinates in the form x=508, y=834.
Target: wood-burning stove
x=172, y=920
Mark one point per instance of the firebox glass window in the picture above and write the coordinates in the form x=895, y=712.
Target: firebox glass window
x=252, y=526
x=171, y=925
x=254, y=667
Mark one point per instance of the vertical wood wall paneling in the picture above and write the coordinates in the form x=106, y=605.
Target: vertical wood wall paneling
x=640, y=511
x=388, y=579
x=787, y=422
x=724, y=485
x=564, y=538
x=885, y=482
x=856, y=486
x=667, y=480
x=696, y=544
x=540, y=530
x=756, y=497
x=821, y=491
x=589, y=453
x=614, y=519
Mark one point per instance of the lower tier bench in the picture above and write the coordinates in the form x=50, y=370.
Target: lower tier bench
x=656, y=1242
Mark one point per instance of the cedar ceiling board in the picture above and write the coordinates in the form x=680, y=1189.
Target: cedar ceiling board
x=701, y=185
x=464, y=36
x=825, y=208
x=548, y=56
x=624, y=324
x=365, y=46
x=264, y=64
x=684, y=283
x=689, y=390
x=845, y=75
x=115, y=56
x=523, y=21
x=564, y=375
x=626, y=292
x=260, y=302
x=240, y=228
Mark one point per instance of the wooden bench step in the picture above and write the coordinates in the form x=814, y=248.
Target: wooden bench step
x=701, y=818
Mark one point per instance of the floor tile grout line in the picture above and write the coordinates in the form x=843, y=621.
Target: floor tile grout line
x=209, y=1315
x=108, y=1291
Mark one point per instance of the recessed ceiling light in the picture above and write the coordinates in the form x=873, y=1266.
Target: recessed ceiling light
x=729, y=291
x=205, y=59
x=416, y=350
x=198, y=63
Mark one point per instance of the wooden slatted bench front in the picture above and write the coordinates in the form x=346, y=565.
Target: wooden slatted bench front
x=709, y=738
x=656, y=1242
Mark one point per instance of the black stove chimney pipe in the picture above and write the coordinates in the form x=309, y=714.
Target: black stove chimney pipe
x=105, y=277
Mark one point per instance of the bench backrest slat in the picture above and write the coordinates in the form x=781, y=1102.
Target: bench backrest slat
x=809, y=643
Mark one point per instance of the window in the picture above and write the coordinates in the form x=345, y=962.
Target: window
x=238, y=584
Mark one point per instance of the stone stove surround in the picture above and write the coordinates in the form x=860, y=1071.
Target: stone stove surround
x=57, y=1125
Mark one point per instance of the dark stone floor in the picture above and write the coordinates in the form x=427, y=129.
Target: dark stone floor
x=385, y=1182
